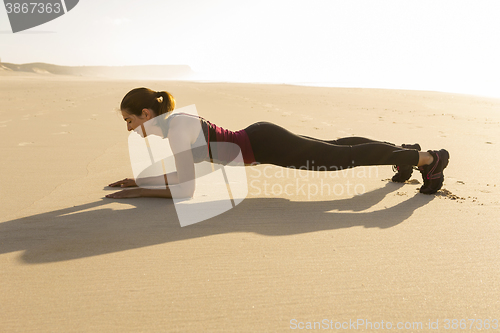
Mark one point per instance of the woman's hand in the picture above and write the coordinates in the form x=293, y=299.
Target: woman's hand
x=132, y=193
x=127, y=182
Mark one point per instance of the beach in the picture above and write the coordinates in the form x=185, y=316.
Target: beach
x=296, y=251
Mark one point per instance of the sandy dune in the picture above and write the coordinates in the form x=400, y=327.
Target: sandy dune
x=74, y=261
x=177, y=72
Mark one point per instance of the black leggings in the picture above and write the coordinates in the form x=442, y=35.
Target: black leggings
x=272, y=144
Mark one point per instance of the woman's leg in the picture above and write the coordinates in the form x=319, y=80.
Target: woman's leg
x=425, y=158
x=348, y=141
x=273, y=144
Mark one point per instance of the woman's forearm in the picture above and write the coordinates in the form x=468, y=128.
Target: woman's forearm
x=146, y=192
x=170, y=178
x=180, y=191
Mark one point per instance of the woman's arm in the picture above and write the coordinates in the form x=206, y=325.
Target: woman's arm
x=170, y=178
x=141, y=192
x=183, y=131
x=156, y=193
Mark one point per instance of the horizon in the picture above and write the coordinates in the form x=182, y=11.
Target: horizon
x=194, y=78
x=445, y=46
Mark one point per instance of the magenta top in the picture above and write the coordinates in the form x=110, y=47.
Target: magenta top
x=240, y=138
x=213, y=133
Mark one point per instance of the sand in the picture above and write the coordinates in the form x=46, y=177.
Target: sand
x=74, y=261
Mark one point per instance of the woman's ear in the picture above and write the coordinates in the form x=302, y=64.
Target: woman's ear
x=147, y=113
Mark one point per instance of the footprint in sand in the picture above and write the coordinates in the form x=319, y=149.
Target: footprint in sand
x=25, y=143
x=444, y=193
x=61, y=133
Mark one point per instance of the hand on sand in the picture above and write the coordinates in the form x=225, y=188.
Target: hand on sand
x=127, y=182
x=123, y=194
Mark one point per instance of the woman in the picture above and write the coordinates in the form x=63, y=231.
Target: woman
x=265, y=143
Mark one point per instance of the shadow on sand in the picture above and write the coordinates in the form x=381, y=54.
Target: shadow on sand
x=90, y=231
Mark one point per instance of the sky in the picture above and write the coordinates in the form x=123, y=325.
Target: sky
x=450, y=46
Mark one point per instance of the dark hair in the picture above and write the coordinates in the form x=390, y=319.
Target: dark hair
x=143, y=98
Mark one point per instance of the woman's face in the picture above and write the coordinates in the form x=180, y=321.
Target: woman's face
x=134, y=121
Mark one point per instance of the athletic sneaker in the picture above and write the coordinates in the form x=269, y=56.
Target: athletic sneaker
x=404, y=171
x=433, y=174
x=424, y=177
